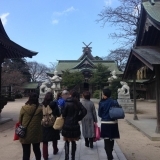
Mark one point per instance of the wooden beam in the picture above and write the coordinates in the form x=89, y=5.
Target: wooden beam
x=157, y=74
x=134, y=97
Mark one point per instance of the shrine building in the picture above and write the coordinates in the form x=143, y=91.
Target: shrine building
x=86, y=64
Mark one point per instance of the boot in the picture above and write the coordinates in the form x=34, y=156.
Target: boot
x=55, y=148
x=91, y=142
x=73, y=150
x=112, y=144
x=66, y=147
x=108, y=146
x=86, y=142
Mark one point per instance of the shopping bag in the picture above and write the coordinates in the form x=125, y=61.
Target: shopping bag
x=97, y=133
x=16, y=137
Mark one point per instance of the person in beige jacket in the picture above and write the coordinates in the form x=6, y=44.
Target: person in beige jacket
x=34, y=129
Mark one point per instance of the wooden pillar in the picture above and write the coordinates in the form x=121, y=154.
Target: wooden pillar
x=134, y=97
x=0, y=76
x=157, y=74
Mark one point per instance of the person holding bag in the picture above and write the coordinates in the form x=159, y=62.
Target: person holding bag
x=109, y=126
x=73, y=113
x=89, y=120
x=30, y=117
x=49, y=133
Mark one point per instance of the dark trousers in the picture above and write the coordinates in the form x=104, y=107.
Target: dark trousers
x=45, y=149
x=27, y=151
x=108, y=146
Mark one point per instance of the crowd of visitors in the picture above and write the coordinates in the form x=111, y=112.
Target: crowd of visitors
x=39, y=120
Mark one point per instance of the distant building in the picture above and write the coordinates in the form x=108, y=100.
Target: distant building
x=30, y=87
x=86, y=64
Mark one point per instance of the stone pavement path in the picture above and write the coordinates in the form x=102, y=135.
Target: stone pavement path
x=85, y=153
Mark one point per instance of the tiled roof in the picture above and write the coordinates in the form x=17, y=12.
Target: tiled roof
x=11, y=49
x=153, y=11
x=68, y=65
x=31, y=85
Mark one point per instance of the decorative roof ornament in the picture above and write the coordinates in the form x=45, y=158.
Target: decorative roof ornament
x=87, y=52
x=152, y=2
x=147, y=24
x=87, y=49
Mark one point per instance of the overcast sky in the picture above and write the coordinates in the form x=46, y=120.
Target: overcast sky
x=57, y=28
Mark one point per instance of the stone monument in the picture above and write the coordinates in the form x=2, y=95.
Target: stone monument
x=56, y=86
x=113, y=77
x=124, y=98
x=43, y=90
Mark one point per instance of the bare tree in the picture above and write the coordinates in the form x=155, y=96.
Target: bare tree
x=37, y=71
x=125, y=17
x=120, y=56
x=12, y=77
x=52, y=66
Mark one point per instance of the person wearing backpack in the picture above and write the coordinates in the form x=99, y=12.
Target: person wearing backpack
x=50, y=112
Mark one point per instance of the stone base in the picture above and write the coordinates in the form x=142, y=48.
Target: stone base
x=4, y=120
x=127, y=105
x=41, y=98
x=122, y=96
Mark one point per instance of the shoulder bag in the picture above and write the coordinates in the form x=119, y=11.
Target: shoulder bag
x=116, y=111
x=58, y=124
x=21, y=130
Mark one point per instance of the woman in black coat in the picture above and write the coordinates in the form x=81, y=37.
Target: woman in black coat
x=72, y=113
x=49, y=133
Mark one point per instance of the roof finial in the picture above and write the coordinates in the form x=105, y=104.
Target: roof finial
x=152, y=2
x=87, y=45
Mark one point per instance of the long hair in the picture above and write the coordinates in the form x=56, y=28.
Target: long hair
x=76, y=98
x=33, y=99
x=47, y=99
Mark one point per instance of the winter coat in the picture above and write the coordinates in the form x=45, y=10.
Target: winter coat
x=34, y=129
x=49, y=133
x=109, y=127
x=89, y=119
x=103, y=110
x=72, y=114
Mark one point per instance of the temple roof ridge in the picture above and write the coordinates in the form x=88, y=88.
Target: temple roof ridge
x=82, y=62
x=87, y=52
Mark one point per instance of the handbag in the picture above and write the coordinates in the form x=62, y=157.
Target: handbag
x=97, y=132
x=16, y=137
x=59, y=122
x=116, y=111
x=21, y=130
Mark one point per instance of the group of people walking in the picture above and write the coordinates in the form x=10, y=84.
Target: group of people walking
x=69, y=106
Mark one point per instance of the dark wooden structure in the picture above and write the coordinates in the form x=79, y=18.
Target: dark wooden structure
x=9, y=50
x=146, y=52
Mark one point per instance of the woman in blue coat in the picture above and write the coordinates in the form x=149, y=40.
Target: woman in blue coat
x=109, y=127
